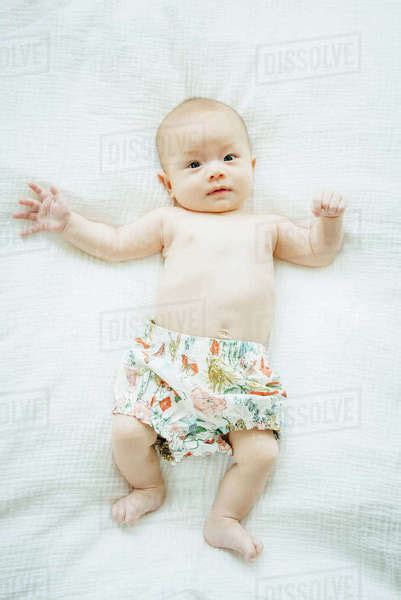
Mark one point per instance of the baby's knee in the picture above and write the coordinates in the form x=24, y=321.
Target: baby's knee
x=260, y=450
x=126, y=427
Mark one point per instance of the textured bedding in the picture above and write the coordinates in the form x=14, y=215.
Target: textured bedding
x=84, y=86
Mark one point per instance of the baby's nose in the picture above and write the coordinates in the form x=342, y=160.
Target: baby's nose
x=216, y=172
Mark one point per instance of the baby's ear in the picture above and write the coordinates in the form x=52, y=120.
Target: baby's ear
x=161, y=177
x=164, y=181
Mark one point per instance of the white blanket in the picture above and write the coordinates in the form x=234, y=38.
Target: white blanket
x=84, y=87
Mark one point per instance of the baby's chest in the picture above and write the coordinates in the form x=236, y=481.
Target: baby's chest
x=249, y=241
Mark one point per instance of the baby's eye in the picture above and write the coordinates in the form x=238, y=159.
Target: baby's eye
x=230, y=155
x=193, y=163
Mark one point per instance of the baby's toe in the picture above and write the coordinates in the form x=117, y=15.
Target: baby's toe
x=257, y=548
x=249, y=551
x=130, y=517
x=118, y=511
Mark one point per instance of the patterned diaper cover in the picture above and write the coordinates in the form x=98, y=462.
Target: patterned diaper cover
x=194, y=390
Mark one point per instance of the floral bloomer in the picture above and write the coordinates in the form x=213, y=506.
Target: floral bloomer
x=194, y=390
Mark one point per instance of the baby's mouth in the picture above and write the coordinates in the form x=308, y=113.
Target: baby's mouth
x=219, y=191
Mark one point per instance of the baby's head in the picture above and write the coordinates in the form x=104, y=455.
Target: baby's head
x=203, y=144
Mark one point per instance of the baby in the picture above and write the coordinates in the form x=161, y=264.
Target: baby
x=191, y=389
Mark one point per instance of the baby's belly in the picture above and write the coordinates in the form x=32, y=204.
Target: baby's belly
x=233, y=303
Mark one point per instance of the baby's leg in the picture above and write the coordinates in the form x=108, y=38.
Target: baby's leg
x=138, y=461
x=255, y=451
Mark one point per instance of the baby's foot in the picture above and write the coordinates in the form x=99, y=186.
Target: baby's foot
x=129, y=509
x=226, y=532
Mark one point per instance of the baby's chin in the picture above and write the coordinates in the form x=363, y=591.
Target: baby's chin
x=220, y=206
x=223, y=209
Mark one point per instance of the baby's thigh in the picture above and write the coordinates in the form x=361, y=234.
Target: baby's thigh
x=254, y=446
x=127, y=427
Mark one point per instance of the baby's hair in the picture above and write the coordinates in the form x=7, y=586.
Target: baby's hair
x=203, y=103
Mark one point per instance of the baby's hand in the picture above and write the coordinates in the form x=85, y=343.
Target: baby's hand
x=50, y=212
x=328, y=204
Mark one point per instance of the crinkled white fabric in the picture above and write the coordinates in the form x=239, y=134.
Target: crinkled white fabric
x=84, y=86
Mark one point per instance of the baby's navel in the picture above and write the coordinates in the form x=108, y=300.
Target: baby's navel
x=223, y=333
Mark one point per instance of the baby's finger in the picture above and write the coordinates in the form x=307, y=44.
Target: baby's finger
x=25, y=215
x=322, y=200
x=35, y=187
x=30, y=202
x=317, y=202
x=54, y=190
x=31, y=230
x=42, y=193
x=328, y=199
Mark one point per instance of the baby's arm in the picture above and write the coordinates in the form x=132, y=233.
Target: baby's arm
x=114, y=243
x=315, y=245
x=292, y=243
x=97, y=239
x=141, y=238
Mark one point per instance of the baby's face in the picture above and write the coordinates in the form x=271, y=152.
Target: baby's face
x=205, y=152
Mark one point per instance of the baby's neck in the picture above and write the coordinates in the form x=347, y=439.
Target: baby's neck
x=237, y=212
